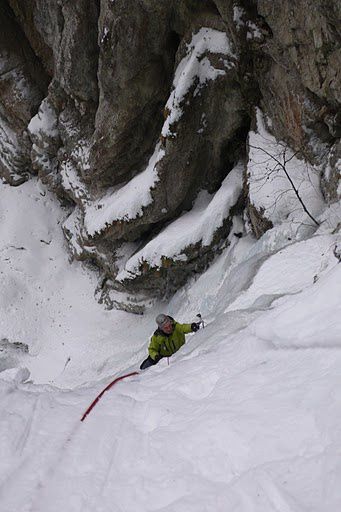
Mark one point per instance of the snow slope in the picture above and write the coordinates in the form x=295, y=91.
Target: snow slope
x=49, y=304
x=246, y=417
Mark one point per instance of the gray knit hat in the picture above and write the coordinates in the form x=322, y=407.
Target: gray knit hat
x=162, y=319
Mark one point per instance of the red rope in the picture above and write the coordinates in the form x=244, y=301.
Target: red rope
x=104, y=390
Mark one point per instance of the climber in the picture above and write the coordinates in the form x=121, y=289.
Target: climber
x=167, y=339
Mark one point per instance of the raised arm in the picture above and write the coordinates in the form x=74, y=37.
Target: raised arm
x=187, y=328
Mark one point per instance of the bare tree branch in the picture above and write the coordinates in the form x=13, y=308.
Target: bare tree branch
x=283, y=166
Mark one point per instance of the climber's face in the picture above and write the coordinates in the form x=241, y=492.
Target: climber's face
x=167, y=326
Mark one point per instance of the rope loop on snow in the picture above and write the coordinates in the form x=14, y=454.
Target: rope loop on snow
x=92, y=405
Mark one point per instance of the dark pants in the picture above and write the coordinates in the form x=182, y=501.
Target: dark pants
x=147, y=363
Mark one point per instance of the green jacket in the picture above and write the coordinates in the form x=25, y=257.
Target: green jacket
x=165, y=345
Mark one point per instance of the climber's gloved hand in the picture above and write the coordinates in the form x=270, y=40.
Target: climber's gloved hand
x=195, y=326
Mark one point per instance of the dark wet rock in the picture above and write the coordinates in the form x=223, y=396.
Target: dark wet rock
x=11, y=353
x=260, y=224
x=23, y=85
x=298, y=69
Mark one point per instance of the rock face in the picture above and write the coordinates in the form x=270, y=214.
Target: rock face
x=131, y=114
x=302, y=82
x=23, y=85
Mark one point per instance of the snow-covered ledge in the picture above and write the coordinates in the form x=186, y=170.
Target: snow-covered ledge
x=196, y=226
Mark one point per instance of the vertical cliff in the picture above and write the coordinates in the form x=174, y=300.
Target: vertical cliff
x=141, y=114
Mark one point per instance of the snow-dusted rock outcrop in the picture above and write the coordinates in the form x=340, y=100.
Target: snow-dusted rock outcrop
x=23, y=84
x=148, y=111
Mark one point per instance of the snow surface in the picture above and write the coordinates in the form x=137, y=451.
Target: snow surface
x=238, y=15
x=126, y=202
x=45, y=121
x=71, y=180
x=48, y=304
x=246, y=417
x=253, y=32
